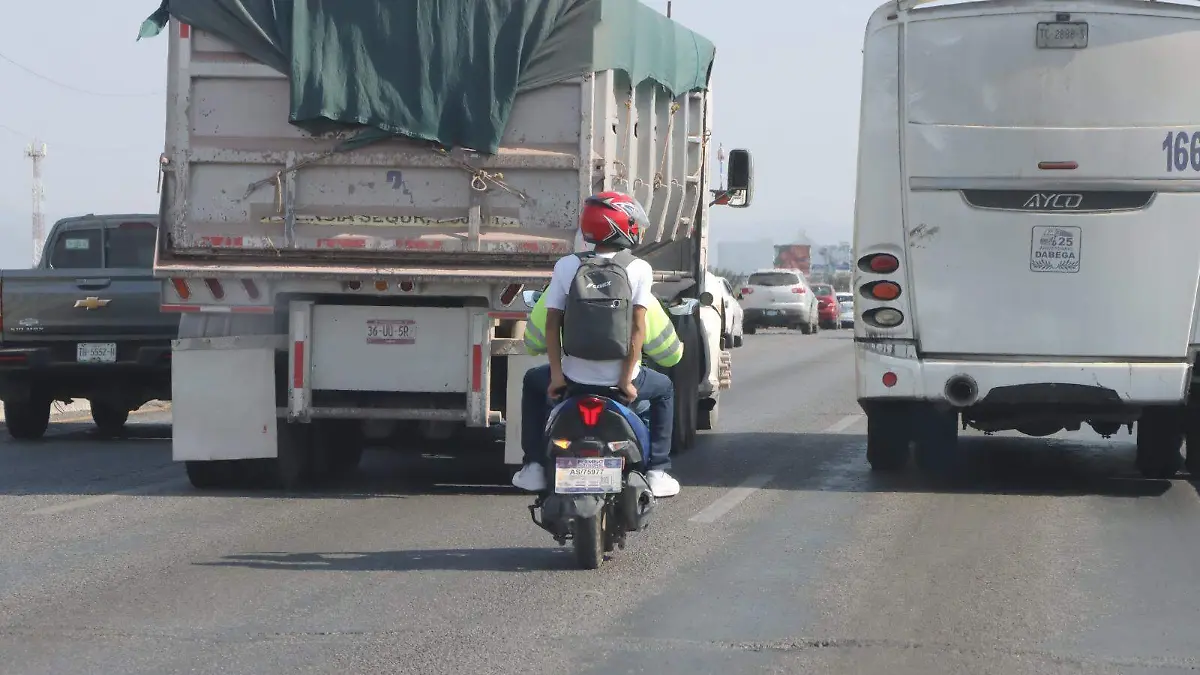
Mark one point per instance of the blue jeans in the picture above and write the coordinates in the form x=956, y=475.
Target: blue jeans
x=652, y=386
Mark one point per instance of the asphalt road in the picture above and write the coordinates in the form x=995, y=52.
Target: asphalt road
x=782, y=554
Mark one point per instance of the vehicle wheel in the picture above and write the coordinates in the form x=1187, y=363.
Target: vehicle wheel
x=685, y=375
x=1159, y=438
x=337, y=448
x=935, y=436
x=213, y=475
x=589, y=541
x=110, y=419
x=815, y=327
x=805, y=328
x=294, y=466
x=1192, y=441
x=27, y=420
x=888, y=437
x=706, y=418
x=737, y=341
x=749, y=330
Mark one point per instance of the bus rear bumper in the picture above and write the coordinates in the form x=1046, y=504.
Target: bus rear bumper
x=966, y=383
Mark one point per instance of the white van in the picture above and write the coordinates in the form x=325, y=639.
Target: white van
x=1018, y=162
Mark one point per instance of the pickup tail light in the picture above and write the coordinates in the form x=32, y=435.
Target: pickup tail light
x=798, y=291
x=747, y=290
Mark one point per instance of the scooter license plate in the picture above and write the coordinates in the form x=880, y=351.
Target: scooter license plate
x=587, y=475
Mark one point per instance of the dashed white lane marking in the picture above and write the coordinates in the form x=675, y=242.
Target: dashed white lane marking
x=94, y=500
x=726, y=502
x=843, y=424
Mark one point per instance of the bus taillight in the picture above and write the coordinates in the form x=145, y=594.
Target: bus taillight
x=881, y=290
x=879, y=263
x=883, y=317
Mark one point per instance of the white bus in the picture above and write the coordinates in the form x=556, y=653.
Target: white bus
x=1027, y=224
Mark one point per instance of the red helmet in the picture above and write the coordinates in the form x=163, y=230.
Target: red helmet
x=613, y=218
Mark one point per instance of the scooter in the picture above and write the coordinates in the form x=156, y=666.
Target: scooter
x=599, y=492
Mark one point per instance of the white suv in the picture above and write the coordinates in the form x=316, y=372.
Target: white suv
x=778, y=297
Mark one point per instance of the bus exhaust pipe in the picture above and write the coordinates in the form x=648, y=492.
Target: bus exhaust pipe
x=961, y=391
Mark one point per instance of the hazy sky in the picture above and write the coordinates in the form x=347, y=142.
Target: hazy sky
x=786, y=86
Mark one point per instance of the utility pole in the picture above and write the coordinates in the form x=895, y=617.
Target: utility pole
x=668, y=9
x=37, y=152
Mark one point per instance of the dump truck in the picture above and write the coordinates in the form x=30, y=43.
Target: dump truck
x=353, y=202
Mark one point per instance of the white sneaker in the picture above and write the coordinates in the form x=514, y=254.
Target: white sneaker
x=662, y=484
x=531, y=477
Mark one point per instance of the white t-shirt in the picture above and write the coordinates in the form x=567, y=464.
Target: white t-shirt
x=641, y=281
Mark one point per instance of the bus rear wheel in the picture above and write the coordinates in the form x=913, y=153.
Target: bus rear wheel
x=889, y=435
x=1159, y=439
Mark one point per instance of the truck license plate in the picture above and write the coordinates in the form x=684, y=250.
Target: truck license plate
x=391, y=331
x=96, y=352
x=1062, y=35
x=771, y=312
x=587, y=475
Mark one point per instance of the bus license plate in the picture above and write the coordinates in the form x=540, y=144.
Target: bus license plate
x=1062, y=35
x=96, y=352
x=587, y=475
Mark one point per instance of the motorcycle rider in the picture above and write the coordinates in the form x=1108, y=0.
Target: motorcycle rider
x=612, y=222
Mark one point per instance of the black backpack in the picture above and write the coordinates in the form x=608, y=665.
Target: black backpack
x=598, y=318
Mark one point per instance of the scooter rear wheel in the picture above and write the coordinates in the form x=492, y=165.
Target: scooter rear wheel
x=589, y=541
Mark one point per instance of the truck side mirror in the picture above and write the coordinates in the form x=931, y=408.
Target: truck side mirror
x=741, y=178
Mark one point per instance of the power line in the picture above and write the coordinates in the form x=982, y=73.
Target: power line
x=70, y=146
x=13, y=131
x=55, y=82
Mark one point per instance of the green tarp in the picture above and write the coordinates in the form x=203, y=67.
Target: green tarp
x=445, y=71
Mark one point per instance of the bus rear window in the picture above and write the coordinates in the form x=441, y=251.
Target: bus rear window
x=987, y=71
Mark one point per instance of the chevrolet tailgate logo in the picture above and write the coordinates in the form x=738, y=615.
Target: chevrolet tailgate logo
x=91, y=303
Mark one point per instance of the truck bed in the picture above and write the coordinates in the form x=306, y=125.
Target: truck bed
x=245, y=188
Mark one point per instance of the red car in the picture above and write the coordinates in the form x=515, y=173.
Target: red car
x=827, y=306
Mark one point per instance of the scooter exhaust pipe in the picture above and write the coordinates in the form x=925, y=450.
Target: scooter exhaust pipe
x=961, y=391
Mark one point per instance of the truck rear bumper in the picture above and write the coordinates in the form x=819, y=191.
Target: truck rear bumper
x=1012, y=382
x=141, y=369
x=328, y=366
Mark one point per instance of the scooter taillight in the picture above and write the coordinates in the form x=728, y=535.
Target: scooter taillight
x=590, y=408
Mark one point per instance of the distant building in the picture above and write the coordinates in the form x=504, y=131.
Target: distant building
x=832, y=258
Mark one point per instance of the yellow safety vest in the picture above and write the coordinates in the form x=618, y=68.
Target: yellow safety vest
x=662, y=344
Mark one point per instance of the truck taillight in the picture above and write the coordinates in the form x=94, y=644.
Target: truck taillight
x=181, y=288
x=510, y=294
x=747, y=290
x=798, y=291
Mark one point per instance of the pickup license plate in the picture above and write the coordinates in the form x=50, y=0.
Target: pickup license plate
x=96, y=352
x=772, y=312
x=587, y=475
x=391, y=331
x=1062, y=35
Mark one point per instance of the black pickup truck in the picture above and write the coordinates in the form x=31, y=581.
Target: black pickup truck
x=85, y=324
